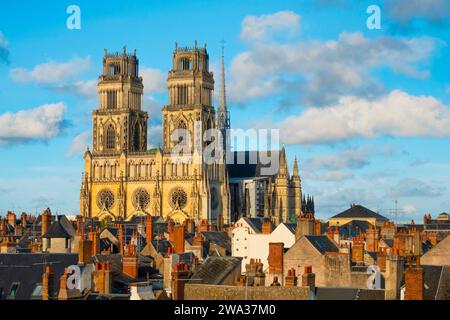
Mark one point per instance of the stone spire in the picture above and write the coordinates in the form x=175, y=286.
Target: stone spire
x=295, y=173
x=283, y=166
x=223, y=121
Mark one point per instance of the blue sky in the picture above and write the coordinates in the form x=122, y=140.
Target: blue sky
x=365, y=111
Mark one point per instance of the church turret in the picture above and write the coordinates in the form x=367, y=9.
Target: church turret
x=223, y=118
x=295, y=191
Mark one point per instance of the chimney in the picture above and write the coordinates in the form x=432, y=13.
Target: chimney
x=372, y=236
x=358, y=250
x=393, y=275
x=2, y=226
x=46, y=220
x=148, y=229
x=94, y=237
x=102, y=278
x=84, y=251
x=131, y=261
x=24, y=219
x=63, y=293
x=178, y=239
x=381, y=260
x=267, y=227
x=309, y=279
x=414, y=281
x=79, y=223
x=11, y=216
x=203, y=226
x=48, y=284
x=180, y=276
x=291, y=278
x=276, y=252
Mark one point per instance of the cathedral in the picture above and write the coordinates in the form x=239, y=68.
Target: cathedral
x=123, y=178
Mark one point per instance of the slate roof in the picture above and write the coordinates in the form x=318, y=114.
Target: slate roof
x=436, y=282
x=256, y=223
x=27, y=270
x=247, y=169
x=215, y=269
x=358, y=211
x=57, y=230
x=353, y=228
x=322, y=244
x=219, y=238
x=327, y=293
x=161, y=246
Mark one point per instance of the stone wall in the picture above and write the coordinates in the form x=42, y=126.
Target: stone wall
x=212, y=292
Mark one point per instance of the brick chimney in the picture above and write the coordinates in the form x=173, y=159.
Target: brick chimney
x=84, y=251
x=24, y=219
x=372, y=236
x=291, y=278
x=63, y=293
x=203, y=226
x=148, y=229
x=381, y=260
x=275, y=282
x=276, y=252
x=101, y=277
x=48, y=284
x=414, y=281
x=3, y=226
x=178, y=239
x=358, y=250
x=131, y=261
x=94, y=236
x=46, y=220
x=309, y=278
x=79, y=224
x=180, y=276
x=11, y=216
x=267, y=227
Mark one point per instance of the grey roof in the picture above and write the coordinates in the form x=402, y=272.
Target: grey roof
x=389, y=242
x=358, y=211
x=322, y=244
x=57, y=230
x=328, y=293
x=250, y=168
x=215, y=269
x=27, y=269
x=161, y=246
x=290, y=226
x=353, y=228
x=219, y=238
x=257, y=223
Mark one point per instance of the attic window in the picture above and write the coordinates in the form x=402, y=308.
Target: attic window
x=37, y=292
x=13, y=291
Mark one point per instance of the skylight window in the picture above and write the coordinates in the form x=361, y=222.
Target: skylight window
x=13, y=291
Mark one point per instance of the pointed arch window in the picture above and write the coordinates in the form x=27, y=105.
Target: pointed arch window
x=137, y=136
x=110, y=138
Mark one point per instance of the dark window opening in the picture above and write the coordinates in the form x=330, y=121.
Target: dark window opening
x=110, y=138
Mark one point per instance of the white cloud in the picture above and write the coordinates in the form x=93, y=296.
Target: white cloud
x=152, y=106
x=79, y=144
x=321, y=71
x=51, y=71
x=404, y=11
x=4, y=49
x=397, y=114
x=154, y=136
x=154, y=80
x=258, y=28
x=41, y=123
x=344, y=159
x=82, y=88
x=411, y=187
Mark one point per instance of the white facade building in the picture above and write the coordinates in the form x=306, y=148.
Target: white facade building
x=249, y=242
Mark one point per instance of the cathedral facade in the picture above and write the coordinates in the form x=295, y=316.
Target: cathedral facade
x=123, y=178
